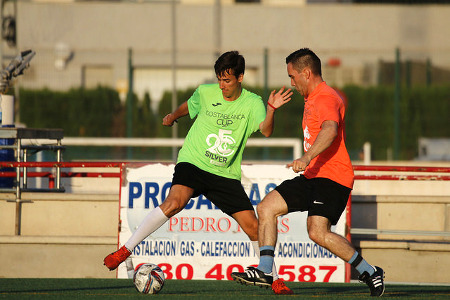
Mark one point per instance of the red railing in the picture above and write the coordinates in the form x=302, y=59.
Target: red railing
x=120, y=164
x=52, y=176
x=402, y=169
x=373, y=168
x=13, y=164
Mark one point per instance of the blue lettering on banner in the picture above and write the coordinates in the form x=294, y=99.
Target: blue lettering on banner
x=190, y=204
x=191, y=248
x=151, y=195
x=187, y=248
x=155, y=248
x=270, y=187
x=225, y=249
x=165, y=190
x=254, y=192
x=152, y=191
x=304, y=250
x=135, y=192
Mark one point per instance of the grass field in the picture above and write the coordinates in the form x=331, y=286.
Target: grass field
x=18, y=289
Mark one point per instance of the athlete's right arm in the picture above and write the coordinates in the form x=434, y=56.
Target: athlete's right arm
x=276, y=100
x=181, y=111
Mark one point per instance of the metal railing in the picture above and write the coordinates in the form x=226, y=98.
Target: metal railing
x=370, y=231
x=294, y=143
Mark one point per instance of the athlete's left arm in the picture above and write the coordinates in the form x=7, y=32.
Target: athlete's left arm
x=325, y=138
x=275, y=101
x=181, y=111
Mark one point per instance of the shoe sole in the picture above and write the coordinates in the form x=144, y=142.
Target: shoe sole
x=246, y=282
x=384, y=287
x=382, y=292
x=111, y=269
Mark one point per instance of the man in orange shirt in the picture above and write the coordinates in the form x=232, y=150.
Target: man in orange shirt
x=325, y=185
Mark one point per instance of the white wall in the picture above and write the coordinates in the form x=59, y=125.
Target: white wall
x=100, y=33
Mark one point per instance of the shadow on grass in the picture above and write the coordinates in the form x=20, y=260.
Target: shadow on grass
x=50, y=286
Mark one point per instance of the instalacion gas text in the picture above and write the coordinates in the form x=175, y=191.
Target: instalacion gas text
x=226, y=249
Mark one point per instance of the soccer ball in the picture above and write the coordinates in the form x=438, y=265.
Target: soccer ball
x=148, y=278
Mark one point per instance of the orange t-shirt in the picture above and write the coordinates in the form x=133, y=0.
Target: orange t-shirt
x=334, y=162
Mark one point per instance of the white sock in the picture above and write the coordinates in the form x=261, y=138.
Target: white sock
x=255, y=245
x=155, y=219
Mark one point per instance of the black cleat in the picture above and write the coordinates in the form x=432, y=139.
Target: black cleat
x=253, y=276
x=375, y=282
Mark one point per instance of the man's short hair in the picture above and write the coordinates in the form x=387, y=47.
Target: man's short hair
x=230, y=60
x=305, y=58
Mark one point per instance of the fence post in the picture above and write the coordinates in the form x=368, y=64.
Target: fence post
x=397, y=105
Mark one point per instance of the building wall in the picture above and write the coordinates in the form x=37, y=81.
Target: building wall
x=98, y=35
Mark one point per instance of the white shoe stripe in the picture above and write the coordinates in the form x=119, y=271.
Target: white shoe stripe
x=253, y=274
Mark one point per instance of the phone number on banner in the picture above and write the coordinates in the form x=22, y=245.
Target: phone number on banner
x=305, y=273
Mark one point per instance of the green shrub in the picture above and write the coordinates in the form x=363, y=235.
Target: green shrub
x=369, y=118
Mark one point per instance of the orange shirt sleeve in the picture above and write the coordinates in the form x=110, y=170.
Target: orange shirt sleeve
x=328, y=109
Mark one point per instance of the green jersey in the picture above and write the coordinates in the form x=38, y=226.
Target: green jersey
x=217, y=138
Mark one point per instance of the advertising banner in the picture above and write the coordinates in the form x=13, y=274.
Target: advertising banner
x=201, y=242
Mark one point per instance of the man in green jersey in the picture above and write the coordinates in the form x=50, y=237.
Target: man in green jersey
x=209, y=162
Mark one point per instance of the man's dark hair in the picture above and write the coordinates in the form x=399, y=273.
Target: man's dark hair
x=305, y=58
x=231, y=60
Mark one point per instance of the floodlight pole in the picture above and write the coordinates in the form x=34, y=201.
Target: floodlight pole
x=266, y=90
x=174, y=75
x=397, y=105
x=217, y=28
x=1, y=38
x=130, y=101
x=266, y=73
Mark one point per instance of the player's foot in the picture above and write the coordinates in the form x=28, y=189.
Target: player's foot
x=279, y=288
x=253, y=276
x=375, y=282
x=113, y=260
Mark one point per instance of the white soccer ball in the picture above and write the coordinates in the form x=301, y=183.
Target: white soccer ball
x=148, y=278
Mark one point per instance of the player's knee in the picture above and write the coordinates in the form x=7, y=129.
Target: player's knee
x=251, y=229
x=171, y=207
x=263, y=210
x=253, y=234
x=252, y=226
x=316, y=236
x=259, y=209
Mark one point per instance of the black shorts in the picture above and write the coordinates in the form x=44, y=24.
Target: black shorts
x=319, y=196
x=225, y=193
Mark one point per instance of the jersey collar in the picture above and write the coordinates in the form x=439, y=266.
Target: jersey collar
x=316, y=90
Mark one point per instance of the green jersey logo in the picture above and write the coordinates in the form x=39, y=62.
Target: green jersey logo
x=221, y=142
x=219, y=147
